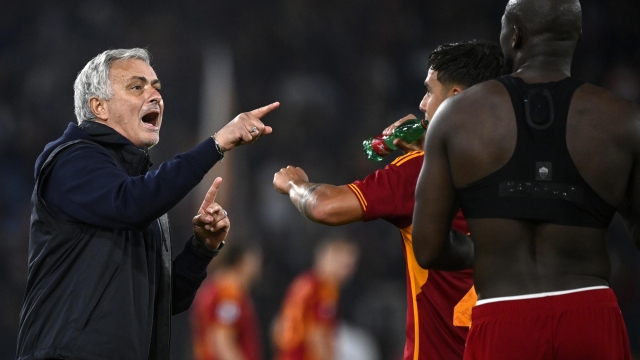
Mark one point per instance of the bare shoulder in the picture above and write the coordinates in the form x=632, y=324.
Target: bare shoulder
x=597, y=98
x=479, y=106
x=609, y=113
x=479, y=96
x=478, y=131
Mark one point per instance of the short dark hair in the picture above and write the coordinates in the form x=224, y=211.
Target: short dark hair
x=467, y=63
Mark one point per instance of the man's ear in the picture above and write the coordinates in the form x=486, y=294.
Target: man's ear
x=99, y=108
x=516, y=41
x=455, y=90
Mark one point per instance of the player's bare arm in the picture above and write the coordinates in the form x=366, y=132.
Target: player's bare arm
x=630, y=208
x=321, y=203
x=435, y=205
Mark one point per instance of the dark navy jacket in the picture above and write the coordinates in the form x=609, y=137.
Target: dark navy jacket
x=101, y=281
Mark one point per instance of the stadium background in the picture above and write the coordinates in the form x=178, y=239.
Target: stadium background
x=342, y=70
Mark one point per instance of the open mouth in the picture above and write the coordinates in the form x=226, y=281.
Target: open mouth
x=151, y=118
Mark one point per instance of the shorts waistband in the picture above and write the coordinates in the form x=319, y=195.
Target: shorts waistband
x=538, y=295
x=590, y=297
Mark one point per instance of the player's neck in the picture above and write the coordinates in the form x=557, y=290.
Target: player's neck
x=542, y=68
x=325, y=275
x=534, y=74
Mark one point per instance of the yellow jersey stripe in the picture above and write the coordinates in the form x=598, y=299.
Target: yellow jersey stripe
x=408, y=158
x=417, y=277
x=359, y=195
x=400, y=158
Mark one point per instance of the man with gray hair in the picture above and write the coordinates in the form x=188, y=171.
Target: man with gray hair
x=102, y=283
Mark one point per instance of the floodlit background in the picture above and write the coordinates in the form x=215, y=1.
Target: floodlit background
x=342, y=69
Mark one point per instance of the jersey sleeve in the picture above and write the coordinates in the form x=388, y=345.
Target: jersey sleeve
x=389, y=193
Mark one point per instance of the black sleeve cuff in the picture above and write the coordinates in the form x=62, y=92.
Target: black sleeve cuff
x=204, y=249
x=206, y=154
x=189, y=270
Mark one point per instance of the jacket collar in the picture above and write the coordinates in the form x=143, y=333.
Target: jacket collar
x=105, y=135
x=134, y=160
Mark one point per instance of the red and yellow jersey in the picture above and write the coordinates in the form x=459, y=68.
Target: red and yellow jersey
x=309, y=303
x=438, y=302
x=222, y=302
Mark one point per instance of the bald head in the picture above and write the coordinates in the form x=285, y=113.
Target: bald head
x=541, y=34
x=551, y=20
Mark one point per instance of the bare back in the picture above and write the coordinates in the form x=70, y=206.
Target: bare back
x=514, y=257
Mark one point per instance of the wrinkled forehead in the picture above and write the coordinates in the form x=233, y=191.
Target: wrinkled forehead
x=126, y=69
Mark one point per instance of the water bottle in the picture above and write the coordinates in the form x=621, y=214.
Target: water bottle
x=380, y=146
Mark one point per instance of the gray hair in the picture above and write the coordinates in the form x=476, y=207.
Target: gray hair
x=93, y=80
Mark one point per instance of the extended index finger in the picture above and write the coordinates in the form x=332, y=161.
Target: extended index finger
x=260, y=112
x=210, y=197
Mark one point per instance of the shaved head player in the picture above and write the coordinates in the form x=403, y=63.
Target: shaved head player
x=539, y=162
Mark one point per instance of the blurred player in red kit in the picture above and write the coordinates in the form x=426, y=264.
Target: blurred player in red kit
x=305, y=328
x=225, y=325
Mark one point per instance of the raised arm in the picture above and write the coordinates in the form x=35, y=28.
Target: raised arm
x=210, y=227
x=435, y=247
x=321, y=203
x=86, y=185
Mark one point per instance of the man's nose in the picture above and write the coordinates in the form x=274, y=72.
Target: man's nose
x=155, y=98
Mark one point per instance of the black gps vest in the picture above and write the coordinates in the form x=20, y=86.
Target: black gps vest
x=540, y=182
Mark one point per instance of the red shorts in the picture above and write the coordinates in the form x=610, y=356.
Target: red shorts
x=580, y=325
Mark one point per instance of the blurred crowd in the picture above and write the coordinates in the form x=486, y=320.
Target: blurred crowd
x=342, y=70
